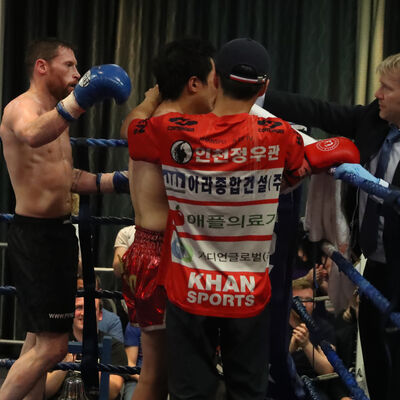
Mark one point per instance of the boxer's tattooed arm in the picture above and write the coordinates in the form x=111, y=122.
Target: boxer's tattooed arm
x=84, y=182
x=76, y=174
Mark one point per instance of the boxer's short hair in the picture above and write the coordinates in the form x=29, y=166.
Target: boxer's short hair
x=178, y=62
x=45, y=48
x=243, y=66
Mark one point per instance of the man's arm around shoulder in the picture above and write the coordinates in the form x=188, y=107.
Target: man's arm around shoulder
x=143, y=111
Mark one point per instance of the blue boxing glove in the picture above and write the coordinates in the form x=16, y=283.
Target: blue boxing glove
x=99, y=83
x=103, y=82
x=121, y=182
x=355, y=169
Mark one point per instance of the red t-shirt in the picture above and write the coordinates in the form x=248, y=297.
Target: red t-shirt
x=222, y=177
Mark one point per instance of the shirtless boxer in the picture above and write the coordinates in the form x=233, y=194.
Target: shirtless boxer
x=42, y=246
x=185, y=76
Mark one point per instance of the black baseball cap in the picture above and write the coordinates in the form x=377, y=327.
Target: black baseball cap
x=243, y=60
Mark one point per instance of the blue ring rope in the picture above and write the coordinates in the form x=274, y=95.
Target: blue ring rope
x=7, y=290
x=333, y=358
x=92, y=219
x=309, y=385
x=385, y=193
x=365, y=287
x=91, y=142
x=70, y=366
x=100, y=294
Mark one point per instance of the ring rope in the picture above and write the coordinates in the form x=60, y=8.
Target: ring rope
x=91, y=142
x=365, y=287
x=106, y=220
x=331, y=355
x=310, y=389
x=100, y=294
x=93, y=220
x=70, y=366
x=6, y=217
x=7, y=290
x=390, y=196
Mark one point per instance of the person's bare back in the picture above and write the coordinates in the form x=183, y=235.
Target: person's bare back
x=148, y=197
x=146, y=181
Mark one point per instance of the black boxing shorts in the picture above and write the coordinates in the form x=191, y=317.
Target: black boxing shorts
x=42, y=255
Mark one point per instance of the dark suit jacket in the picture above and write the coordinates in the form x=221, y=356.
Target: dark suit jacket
x=361, y=123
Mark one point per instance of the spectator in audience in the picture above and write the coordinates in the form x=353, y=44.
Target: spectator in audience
x=309, y=256
x=308, y=358
x=133, y=348
x=56, y=378
x=314, y=266
x=110, y=324
x=300, y=339
x=319, y=275
x=122, y=242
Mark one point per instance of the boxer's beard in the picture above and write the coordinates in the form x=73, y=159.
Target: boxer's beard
x=63, y=93
x=60, y=93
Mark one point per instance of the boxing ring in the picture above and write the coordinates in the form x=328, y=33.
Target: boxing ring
x=90, y=366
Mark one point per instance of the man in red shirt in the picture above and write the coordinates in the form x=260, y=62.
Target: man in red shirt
x=222, y=175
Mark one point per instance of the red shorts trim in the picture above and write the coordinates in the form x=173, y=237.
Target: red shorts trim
x=145, y=298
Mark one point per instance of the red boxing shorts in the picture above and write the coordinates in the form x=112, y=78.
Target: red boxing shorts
x=145, y=298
